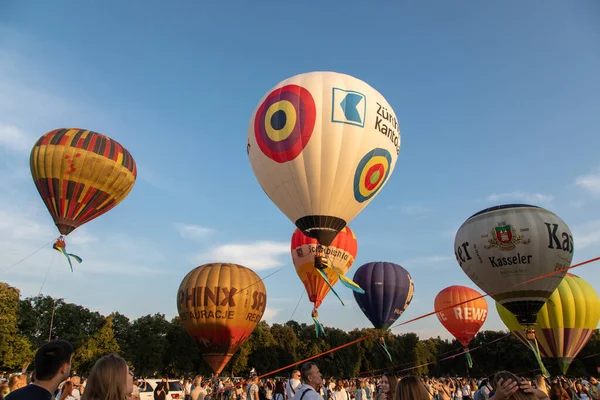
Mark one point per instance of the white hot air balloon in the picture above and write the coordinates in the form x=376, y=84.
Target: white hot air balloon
x=322, y=145
x=503, y=246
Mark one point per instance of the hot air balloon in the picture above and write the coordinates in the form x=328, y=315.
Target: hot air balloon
x=389, y=290
x=219, y=305
x=504, y=246
x=80, y=175
x=340, y=256
x=322, y=145
x=467, y=315
x=564, y=324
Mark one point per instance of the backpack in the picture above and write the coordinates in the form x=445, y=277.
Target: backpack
x=478, y=395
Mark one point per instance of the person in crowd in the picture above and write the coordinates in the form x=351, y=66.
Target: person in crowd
x=187, y=389
x=162, y=389
x=507, y=386
x=109, y=379
x=66, y=392
x=52, y=365
x=388, y=386
x=279, y=393
x=196, y=388
x=312, y=383
x=411, y=388
x=292, y=384
x=252, y=388
x=340, y=392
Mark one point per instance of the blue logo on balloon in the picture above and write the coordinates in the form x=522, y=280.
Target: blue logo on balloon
x=348, y=107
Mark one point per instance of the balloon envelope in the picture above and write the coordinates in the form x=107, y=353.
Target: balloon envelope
x=506, y=245
x=219, y=306
x=389, y=290
x=80, y=175
x=565, y=323
x=341, y=254
x=322, y=145
x=464, y=320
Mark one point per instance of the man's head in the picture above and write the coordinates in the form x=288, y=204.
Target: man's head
x=593, y=380
x=296, y=374
x=310, y=375
x=53, y=361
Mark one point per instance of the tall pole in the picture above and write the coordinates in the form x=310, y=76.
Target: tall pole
x=52, y=319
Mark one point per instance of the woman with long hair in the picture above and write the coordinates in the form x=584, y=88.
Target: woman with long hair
x=279, y=390
x=110, y=379
x=388, y=386
x=411, y=388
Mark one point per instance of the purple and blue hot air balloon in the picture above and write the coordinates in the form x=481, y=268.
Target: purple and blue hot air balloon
x=388, y=292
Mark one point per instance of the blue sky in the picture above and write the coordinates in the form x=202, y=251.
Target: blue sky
x=496, y=103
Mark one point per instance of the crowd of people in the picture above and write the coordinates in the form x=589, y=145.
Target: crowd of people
x=112, y=379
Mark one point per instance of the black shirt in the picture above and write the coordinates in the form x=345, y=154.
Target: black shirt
x=30, y=392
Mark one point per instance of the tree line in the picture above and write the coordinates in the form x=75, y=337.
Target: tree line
x=154, y=345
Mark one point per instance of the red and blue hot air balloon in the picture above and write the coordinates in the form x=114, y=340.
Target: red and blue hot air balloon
x=389, y=290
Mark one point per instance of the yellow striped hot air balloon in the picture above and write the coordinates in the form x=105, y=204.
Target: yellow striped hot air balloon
x=565, y=323
x=80, y=175
x=219, y=305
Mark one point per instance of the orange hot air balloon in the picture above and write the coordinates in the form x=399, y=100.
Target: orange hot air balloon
x=80, y=175
x=341, y=254
x=219, y=305
x=464, y=320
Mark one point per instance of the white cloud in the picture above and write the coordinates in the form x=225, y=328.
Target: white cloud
x=194, y=232
x=532, y=198
x=270, y=314
x=15, y=139
x=82, y=237
x=590, y=182
x=587, y=235
x=258, y=256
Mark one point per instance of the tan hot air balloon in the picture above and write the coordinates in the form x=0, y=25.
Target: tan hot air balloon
x=502, y=247
x=219, y=305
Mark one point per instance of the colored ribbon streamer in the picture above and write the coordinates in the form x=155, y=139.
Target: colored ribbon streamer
x=469, y=359
x=318, y=325
x=326, y=279
x=349, y=283
x=60, y=245
x=533, y=345
x=384, y=347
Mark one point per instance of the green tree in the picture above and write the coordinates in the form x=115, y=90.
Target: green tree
x=70, y=322
x=99, y=344
x=15, y=349
x=123, y=334
x=149, y=344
